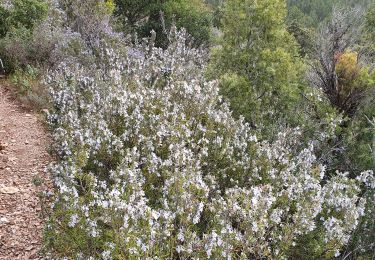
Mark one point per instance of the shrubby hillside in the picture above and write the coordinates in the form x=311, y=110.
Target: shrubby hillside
x=201, y=129
x=313, y=12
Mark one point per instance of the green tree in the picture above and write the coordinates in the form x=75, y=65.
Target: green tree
x=312, y=12
x=17, y=24
x=258, y=65
x=295, y=14
x=4, y=14
x=27, y=13
x=23, y=14
x=130, y=13
x=304, y=37
x=147, y=15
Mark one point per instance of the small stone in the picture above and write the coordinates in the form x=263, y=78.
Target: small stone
x=9, y=190
x=3, y=146
x=4, y=220
x=3, y=158
x=26, y=142
x=13, y=159
x=29, y=248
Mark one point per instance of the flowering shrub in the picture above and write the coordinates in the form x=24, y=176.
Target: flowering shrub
x=152, y=164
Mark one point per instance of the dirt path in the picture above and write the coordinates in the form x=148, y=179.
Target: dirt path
x=23, y=158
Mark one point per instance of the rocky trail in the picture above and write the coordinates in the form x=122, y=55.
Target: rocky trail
x=23, y=159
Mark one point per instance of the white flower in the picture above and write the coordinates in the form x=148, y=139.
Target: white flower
x=73, y=220
x=106, y=255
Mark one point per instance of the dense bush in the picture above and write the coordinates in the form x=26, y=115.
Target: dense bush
x=3, y=17
x=142, y=17
x=258, y=65
x=152, y=164
x=151, y=160
x=26, y=13
x=310, y=13
x=17, y=24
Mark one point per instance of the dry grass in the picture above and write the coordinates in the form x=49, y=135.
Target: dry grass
x=3, y=95
x=34, y=97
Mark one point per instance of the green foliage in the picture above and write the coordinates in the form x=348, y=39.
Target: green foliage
x=28, y=86
x=351, y=149
x=310, y=246
x=360, y=141
x=131, y=12
x=16, y=29
x=304, y=36
x=216, y=9
x=295, y=15
x=14, y=48
x=357, y=131
x=192, y=15
x=27, y=13
x=257, y=62
x=144, y=16
x=148, y=129
x=362, y=244
x=23, y=79
x=4, y=14
x=310, y=13
x=23, y=14
x=352, y=77
x=370, y=27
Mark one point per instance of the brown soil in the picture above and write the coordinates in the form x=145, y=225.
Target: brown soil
x=23, y=159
